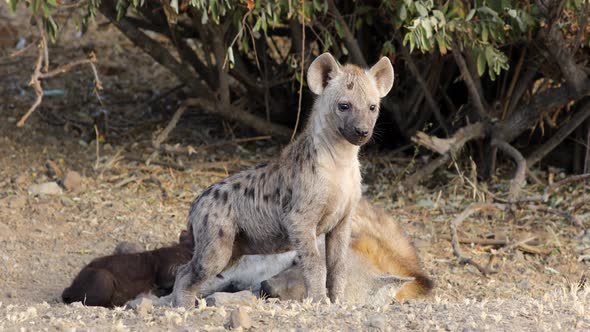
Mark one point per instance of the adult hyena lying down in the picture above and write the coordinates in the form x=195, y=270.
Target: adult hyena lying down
x=380, y=252
x=380, y=256
x=311, y=189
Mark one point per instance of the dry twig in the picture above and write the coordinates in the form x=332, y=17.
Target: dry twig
x=163, y=135
x=37, y=76
x=518, y=180
x=456, y=223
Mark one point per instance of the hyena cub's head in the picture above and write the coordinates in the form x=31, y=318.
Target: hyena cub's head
x=349, y=96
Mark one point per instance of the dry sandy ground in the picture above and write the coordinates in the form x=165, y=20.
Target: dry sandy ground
x=45, y=240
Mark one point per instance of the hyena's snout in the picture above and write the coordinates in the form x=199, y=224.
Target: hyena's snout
x=361, y=132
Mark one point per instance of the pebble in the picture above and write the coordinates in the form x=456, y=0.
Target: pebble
x=66, y=201
x=223, y=299
x=240, y=318
x=47, y=188
x=72, y=181
x=11, y=294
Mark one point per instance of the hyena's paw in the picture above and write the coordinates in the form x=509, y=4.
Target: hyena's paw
x=318, y=297
x=164, y=301
x=137, y=302
x=185, y=300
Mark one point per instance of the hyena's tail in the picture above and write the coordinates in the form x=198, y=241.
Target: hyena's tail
x=421, y=286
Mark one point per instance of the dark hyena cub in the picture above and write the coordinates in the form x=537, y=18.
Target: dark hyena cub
x=311, y=189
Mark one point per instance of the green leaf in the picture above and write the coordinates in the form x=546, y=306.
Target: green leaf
x=12, y=5
x=440, y=16
x=257, y=25
x=339, y=29
x=230, y=55
x=388, y=48
x=174, y=5
x=403, y=13
x=427, y=28
x=484, y=33
x=421, y=9
x=481, y=63
x=470, y=15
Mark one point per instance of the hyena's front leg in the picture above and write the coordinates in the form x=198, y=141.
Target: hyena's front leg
x=337, y=241
x=304, y=238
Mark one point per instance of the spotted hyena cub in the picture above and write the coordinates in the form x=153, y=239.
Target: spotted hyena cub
x=311, y=189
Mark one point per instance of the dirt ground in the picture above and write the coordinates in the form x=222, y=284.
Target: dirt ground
x=46, y=239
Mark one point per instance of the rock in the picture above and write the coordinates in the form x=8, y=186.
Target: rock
x=239, y=318
x=377, y=321
x=222, y=299
x=126, y=247
x=47, y=188
x=72, y=181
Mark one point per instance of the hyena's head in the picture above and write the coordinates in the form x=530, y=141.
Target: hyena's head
x=349, y=96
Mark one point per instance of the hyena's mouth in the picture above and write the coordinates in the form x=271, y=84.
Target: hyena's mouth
x=352, y=138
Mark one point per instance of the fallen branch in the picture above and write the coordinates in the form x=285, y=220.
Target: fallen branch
x=518, y=180
x=235, y=114
x=36, y=84
x=159, y=163
x=37, y=76
x=454, y=143
x=444, y=146
x=456, y=223
x=544, y=198
x=566, y=215
x=423, y=173
x=178, y=149
x=163, y=135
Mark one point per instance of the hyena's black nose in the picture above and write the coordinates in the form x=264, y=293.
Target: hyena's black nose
x=362, y=132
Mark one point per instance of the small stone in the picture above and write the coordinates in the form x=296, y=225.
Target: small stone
x=47, y=188
x=377, y=321
x=222, y=299
x=72, y=181
x=127, y=247
x=11, y=294
x=66, y=201
x=240, y=318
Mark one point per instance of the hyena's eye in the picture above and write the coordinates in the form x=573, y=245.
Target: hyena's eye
x=373, y=108
x=343, y=107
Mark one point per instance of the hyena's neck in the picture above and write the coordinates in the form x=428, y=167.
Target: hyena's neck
x=332, y=148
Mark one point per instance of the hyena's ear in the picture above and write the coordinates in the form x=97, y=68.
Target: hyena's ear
x=321, y=70
x=383, y=73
